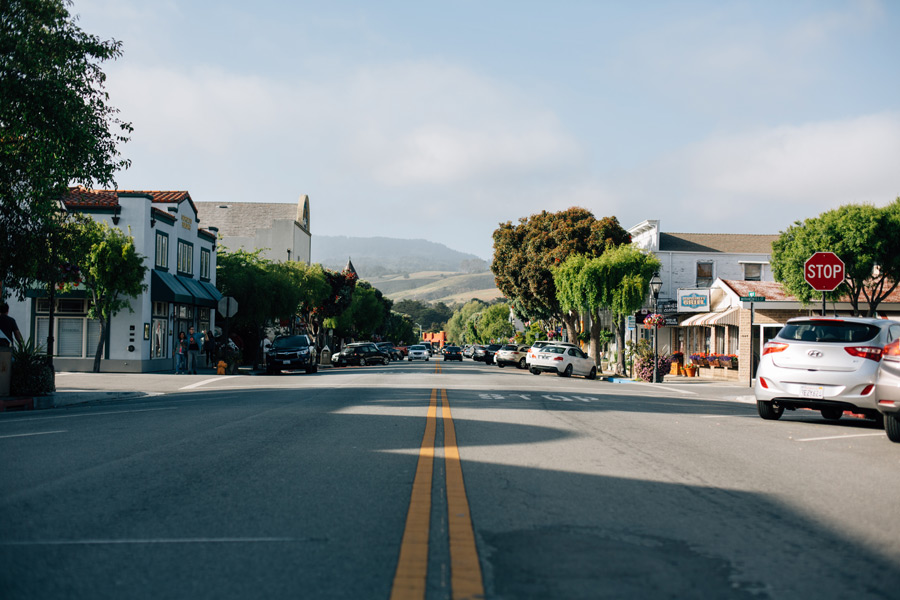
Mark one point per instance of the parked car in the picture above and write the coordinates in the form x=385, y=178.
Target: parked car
x=468, y=350
x=292, y=352
x=512, y=354
x=565, y=361
x=485, y=354
x=362, y=354
x=452, y=353
x=536, y=347
x=392, y=352
x=418, y=352
x=826, y=364
x=887, y=389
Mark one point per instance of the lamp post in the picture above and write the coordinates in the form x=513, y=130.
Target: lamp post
x=655, y=284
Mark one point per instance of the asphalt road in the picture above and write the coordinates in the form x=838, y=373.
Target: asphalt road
x=324, y=486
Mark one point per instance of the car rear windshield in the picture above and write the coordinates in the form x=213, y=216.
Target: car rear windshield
x=553, y=350
x=451, y=349
x=829, y=332
x=291, y=341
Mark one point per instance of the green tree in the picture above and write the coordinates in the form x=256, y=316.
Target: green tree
x=56, y=127
x=366, y=310
x=617, y=281
x=456, y=326
x=524, y=255
x=866, y=238
x=495, y=325
x=113, y=272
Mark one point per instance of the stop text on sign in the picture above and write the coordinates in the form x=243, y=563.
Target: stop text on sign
x=824, y=271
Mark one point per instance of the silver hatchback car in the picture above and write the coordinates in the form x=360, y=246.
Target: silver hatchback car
x=887, y=389
x=826, y=364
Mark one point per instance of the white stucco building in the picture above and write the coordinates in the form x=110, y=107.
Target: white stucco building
x=180, y=280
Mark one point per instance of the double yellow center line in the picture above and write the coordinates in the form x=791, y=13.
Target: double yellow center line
x=412, y=565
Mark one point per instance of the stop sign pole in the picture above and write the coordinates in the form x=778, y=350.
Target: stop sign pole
x=824, y=271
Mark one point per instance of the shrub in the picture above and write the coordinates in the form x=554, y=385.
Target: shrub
x=31, y=373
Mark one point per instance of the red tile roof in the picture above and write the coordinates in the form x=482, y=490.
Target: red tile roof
x=159, y=196
x=79, y=197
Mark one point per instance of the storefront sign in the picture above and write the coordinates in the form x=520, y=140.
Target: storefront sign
x=693, y=301
x=666, y=307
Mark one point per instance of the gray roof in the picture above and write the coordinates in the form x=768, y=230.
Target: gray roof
x=245, y=218
x=737, y=243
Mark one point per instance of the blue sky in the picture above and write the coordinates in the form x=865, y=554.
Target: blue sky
x=441, y=120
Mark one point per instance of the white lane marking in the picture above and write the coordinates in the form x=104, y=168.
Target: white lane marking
x=98, y=542
x=728, y=417
x=90, y=414
x=205, y=381
x=659, y=386
x=839, y=437
x=35, y=433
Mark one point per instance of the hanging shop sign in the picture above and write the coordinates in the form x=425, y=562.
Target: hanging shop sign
x=693, y=300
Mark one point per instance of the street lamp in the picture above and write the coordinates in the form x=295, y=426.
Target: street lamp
x=655, y=285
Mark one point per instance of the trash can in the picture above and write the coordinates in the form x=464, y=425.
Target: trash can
x=325, y=357
x=5, y=370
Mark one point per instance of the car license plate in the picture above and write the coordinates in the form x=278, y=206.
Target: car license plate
x=285, y=362
x=811, y=391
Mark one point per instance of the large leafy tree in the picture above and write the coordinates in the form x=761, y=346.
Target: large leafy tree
x=525, y=254
x=494, y=325
x=56, y=127
x=865, y=237
x=456, y=326
x=617, y=281
x=113, y=273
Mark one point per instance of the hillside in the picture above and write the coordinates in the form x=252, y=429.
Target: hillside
x=446, y=287
x=375, y=256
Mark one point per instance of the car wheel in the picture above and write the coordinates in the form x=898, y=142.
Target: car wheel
x=832, y=414
x=535, y=371
x=892, y=427
x=385, y=361
x=500, y=364
x=566, y=373
x=768, y=410
x=270, y=371
x=593, y=373
x=522, y=364
x=362, y=362
x=311, y=369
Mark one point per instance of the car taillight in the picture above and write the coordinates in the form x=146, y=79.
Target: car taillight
x=763, y=382
x=772, y=347
x=890, y=403
x=559, y=358
x=870, y=352
x=892, y=351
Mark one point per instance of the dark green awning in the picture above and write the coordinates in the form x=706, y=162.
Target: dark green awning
x=211, y=290
x=201, y=296
x=165, y=287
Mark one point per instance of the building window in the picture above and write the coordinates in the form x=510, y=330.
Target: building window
x=752, y=272
x=185, y=258
x=204, y=263
x=704, y=274
x=75, y=336
x=162, y=250
x=159, y=331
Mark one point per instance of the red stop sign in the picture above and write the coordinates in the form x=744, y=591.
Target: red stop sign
x=824, y=271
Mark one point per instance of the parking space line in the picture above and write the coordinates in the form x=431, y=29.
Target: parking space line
x=205, y=381
x=839, y=437
x=412, y=565
x=3, y=437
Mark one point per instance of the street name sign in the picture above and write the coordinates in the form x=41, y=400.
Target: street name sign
x=824, y=271
x=753, y=298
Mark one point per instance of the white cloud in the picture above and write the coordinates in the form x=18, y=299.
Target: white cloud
x=763, y=180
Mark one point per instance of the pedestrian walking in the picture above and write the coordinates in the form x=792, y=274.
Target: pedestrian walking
x=209, y=348
x=9, y=330
x=266, y=345
x=194, y=342
x=181, y=349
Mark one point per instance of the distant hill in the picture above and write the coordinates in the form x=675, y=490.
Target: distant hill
x=376, y=256
x=450, y=288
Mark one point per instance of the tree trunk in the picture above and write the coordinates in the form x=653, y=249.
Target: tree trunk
x=619, y=326
x=595, y=348
x=571, y=321
x=104, y=324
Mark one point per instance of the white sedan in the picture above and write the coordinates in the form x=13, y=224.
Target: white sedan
x=565, y=361
x=418, y=352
